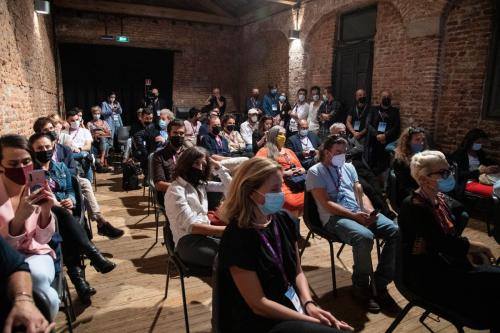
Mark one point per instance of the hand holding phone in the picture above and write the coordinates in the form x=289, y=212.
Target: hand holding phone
x=38, y=178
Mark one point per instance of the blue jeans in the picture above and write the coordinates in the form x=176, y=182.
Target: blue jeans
x=43, y=273
x=361, y=239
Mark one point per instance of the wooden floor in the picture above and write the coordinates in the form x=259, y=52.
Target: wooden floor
x=130, y=298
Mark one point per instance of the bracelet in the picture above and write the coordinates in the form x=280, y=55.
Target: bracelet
x=23, y=297
x=309, y=302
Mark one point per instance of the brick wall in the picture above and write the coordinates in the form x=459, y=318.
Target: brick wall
x=207, y=56
x=28, y=82
x=465, y=51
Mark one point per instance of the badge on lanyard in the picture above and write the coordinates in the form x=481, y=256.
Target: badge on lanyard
x=275, y=107
x=294, y=298
x=382, y=126
x=158, y=113
x=357, y=125
x=116, y=117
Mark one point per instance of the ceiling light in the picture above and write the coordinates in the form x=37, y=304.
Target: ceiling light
x=294, y=34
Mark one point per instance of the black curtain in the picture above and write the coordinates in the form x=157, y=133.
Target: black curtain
x=90, y=72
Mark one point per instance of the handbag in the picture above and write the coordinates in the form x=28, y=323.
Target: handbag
x=296, y=183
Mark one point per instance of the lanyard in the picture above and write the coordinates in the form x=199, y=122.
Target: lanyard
x=339, y=178
x=74, y=136
x=277, y=257
x=304, y=146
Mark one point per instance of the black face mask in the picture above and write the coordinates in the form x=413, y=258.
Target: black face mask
x=230, y=128
x=44, y=156
x=216, y=130
x=53, y=135
x=196, y=176
x=177, y=141
x=147, y=123
x=362, y=100
x=386, y=101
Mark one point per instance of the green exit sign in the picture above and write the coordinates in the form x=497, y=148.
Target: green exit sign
x=122, y=39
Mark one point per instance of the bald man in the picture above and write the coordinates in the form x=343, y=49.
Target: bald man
x=356, y=119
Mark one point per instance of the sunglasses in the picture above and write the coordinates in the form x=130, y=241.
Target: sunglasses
x=444, y=173
x=415, y=130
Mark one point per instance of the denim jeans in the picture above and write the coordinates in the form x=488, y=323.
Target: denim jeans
x=42, y=273
x=361, y=239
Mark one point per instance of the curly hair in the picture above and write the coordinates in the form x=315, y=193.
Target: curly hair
x=403, y=150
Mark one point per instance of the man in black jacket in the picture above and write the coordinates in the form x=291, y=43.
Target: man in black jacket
x=145, y=138
x=304, y=144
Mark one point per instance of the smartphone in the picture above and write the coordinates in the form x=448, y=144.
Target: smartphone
x=38, y=179
x=375, y=212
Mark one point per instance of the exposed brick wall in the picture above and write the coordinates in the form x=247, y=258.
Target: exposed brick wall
x=207, y=56
x=28, y=81
x=466, y=45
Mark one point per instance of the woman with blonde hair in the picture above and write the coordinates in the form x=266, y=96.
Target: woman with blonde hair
x=265, y=289
x=275, y=150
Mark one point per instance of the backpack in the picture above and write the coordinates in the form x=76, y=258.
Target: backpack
x=130, y=180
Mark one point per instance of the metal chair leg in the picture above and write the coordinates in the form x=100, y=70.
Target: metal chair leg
x=340, y=250
x=332, y=262
x=149, y=200
x=167, y=279
x=157, y=220
x=377, y=241
x=186, y=319
x=424, y=316
x=68, y=306
x=305, y=243
x=399, y=318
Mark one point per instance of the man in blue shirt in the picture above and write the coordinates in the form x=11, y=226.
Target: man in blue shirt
x=270, y=102
x=347, y=212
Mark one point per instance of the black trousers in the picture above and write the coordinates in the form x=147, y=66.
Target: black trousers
x=295, y=326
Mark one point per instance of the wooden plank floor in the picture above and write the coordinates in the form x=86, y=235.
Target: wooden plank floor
x=130, y=298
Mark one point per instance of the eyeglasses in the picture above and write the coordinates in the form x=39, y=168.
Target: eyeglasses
x=445, y=173
x=415, y=130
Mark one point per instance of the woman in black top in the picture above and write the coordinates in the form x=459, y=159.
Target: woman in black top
x=265, y=289
x=437, y=263
x=259, y=137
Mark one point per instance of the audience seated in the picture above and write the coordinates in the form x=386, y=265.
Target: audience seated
x=248, y=127
x=383, y=124
x=102, y=139
x=145, y=138
x=204, y=129
x=299, y=111
x=17, y=307
x=259, y=136
x=237, y=146
x=348, y=213
x=192, y=125
x=165, y=159
x=304, y=144
x=81, y=141
x=26, y=222
x=314, y=106
x=452, y=271
x=265, y=289
x=186, y=206
x=331, y=111
x=166, y=116
x=63, y=154
x=275, y=150
x=473, y=164
x=63, y=138
x=356, y=118
x=75, y=239
x=111, y=113
x=254, y=101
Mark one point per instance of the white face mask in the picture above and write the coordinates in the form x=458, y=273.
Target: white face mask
x=302, y=98
x=303, y=132
x=253, y=119
x=338, y=160
x=315, y=98
x=75, y=124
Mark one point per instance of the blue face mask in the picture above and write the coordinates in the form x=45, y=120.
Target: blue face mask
x=282, y=99
x=476, y=146
x=274, y=91
x=163, y=124
x=447, y=184
x=273, y=203
x=417, y=147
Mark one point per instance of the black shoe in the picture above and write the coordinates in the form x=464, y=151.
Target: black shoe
x=106, y=229
x=82, y=287
x=99, y=262
x=365, y=298
x=385, y=300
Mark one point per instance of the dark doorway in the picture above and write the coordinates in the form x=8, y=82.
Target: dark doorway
x=354, y=54
x=90, y=72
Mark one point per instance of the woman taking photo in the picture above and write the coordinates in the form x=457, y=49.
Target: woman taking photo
x=26, y=221
x=275, y=150
x=265, y=289
x=186, y=205
x=450, y=270
x=259, y=136
x=75, y=239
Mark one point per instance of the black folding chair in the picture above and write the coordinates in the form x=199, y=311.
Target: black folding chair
x=313, y=223
x=216, y=315
x=184, y=269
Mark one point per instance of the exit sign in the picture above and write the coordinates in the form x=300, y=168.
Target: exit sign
x=122, y=39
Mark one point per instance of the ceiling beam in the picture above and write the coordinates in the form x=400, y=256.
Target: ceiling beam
x=216, y=8
x=110, y=7
x=284, y=2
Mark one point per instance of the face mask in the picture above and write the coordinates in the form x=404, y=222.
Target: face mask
x=53, y=135
x=75, y=124
x=447, y=184
x=476, y=146
x=303, y=132
x=280, y=140
x=302, y=98
x=18, y=175
x=44, y=156
x=386, y=101
x=417, y=147
x=274, y=91
x=282, y=99
x=196, y=176
x=96, y=116
x=216, y=130
x=273, y=202
x=325, y=98
x=362, y=100
x=315, y=98
x=230, y=128
x=177, y=141
x=253, y=119
x=338, y=160
x=147, y=123
x=163, y=124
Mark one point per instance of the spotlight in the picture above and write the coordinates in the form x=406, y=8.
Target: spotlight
x=294, y=34
x=42, y=7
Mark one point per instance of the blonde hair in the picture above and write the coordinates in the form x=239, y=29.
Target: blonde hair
x=170, y=114
x=95, y=108
x=55, y=118
x=422, y=163
x=249, y=177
